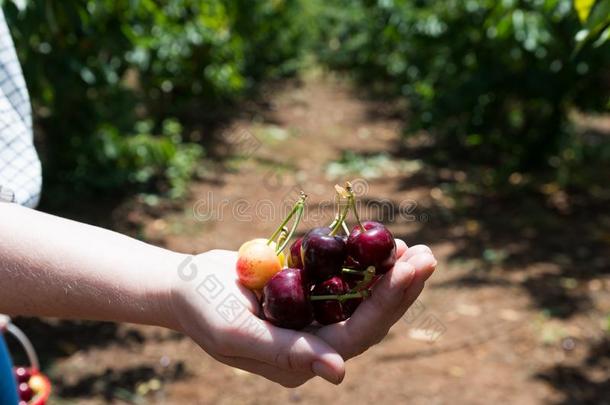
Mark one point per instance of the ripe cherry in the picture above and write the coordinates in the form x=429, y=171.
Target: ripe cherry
x=22, y=374
x=372, y=246
x=286, y=300
x=333, y=310
x=257, y=262
x=294, y=257
x=323, y=254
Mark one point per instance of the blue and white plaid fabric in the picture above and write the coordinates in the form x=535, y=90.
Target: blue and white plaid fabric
x=20, y=172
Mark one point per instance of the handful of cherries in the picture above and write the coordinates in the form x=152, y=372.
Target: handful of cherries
x=326, y=275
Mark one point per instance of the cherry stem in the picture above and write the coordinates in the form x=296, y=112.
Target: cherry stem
x=352, y=203
x=282, y=238
x=369, y=273
x=352, y=271
x=342, y=297
x=299, y=204
x=332, y=224
x=343, y=225
x=296, y=223
x=345, y=228
x=339, y=221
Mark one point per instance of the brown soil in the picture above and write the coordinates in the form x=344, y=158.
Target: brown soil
x=516, y=309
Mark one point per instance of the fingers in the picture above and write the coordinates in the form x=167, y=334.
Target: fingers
x=424, y=265
x=401, y=248
x=413, y=251
x=391, y=297
x=284, y=348
x=369, y=324
x=288, y=379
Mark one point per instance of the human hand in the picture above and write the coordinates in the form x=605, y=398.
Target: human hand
x=391, y=297
x=289, y=357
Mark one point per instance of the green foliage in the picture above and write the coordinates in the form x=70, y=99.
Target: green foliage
x=595, y=17
x=105, y=76
x=493, y=81
x=141, y=158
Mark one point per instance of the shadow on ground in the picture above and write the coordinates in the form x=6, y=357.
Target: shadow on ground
x=586, y=383
x=120, y=384
x=55, y=339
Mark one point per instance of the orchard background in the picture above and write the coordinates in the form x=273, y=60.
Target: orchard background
x=479, y=127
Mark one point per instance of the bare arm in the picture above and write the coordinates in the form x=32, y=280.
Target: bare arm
x=50, y=266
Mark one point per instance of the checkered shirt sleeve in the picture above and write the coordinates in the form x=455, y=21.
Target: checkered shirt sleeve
x=20, y=172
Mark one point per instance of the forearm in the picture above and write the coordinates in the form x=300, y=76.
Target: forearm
x=50, y=266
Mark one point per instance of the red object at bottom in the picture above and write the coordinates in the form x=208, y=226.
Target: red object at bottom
x=41, y=387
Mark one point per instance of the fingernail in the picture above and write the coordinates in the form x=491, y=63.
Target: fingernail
x=323, y=370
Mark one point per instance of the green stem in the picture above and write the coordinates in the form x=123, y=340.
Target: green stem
x=345, y=228
x=295, y=208
x=352, y=203
x=343, y=297
x=296, y=223
x=283, y=237
x=369, y=273
x=332, y=224
x=352, y=271
x=340, y=220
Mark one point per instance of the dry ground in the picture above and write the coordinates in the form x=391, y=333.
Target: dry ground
x=516, y=308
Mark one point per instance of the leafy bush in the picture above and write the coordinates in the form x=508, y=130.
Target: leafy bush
x=492, y=80
x=95, y=69
x=162, y=162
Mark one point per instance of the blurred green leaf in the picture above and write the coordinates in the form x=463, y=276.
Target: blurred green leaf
x=583, y=8
x=114, y=84
x=492, y=83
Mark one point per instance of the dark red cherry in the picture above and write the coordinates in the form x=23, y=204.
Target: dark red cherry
x=333, y=311
x=25, y=392
x=374, y=246
x=294, y=257
x=286, y=300
x=22, y=374
x=323, y=254
x=350, y=263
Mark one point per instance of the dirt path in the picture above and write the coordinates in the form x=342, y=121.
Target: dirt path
x=470, y=339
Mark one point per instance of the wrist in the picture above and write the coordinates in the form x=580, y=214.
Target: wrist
x=163, y=294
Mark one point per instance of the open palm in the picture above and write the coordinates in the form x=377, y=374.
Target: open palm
x=221, y=316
